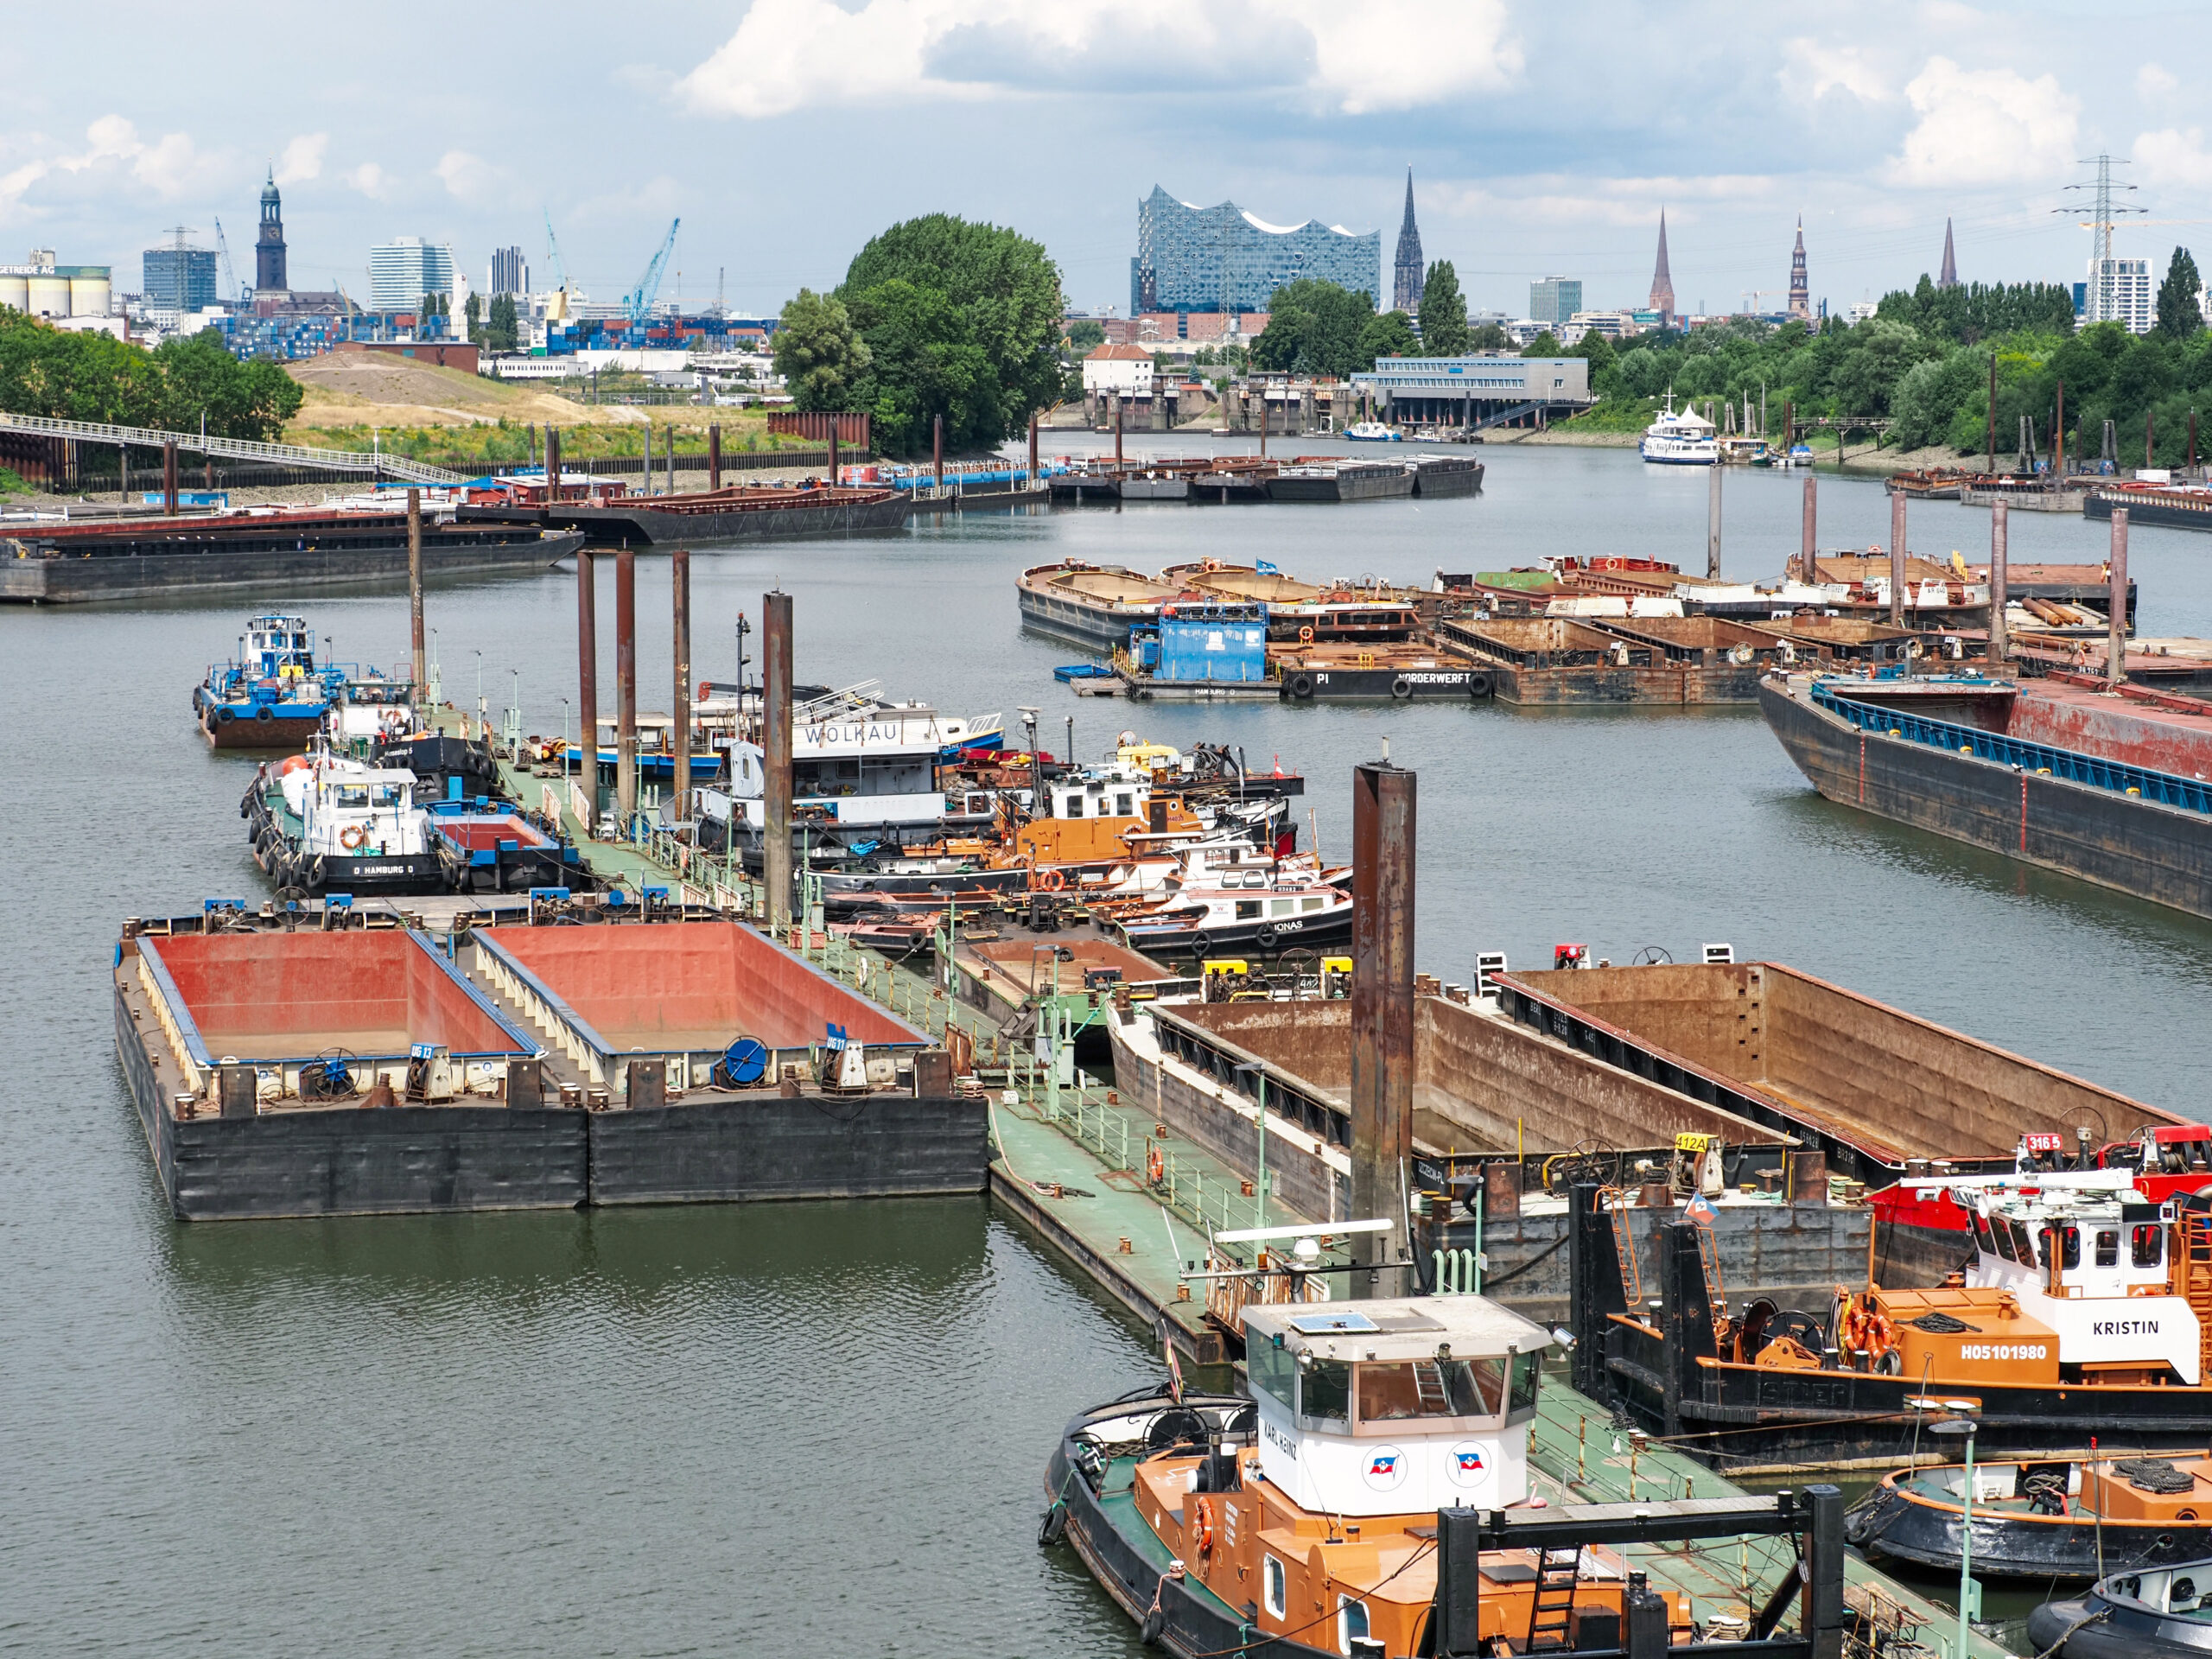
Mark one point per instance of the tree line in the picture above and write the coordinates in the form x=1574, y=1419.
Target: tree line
x=94, y=376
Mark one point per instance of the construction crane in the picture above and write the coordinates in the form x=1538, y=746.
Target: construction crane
x=558, y=311
x=639, y=300
x=230, y=291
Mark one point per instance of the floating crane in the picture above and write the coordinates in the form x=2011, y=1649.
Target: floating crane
x=639, y=300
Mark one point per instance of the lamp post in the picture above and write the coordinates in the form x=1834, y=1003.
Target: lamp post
x=1962, y=1424
x=1260, y=1093
x=1048, y=1018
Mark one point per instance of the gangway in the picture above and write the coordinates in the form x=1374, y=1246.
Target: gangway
x=276, y=454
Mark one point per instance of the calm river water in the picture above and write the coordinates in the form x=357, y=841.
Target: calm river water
x=820, y=1428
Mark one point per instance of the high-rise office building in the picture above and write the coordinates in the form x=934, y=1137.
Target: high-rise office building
x=510, y=272
x=2121, y=291
x=403, y=270
x=1222, y=258
x=178, y=279
x=1554, y=299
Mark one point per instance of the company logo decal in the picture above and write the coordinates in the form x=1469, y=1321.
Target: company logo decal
x=1468, y=1465
x=1385, y=1468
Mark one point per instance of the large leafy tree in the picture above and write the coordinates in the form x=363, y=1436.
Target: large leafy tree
x=1390, y=335
x=819, y=352
x=2179, y=313
x=1544, y=344
x=1314, y=328
x=1085, y=334
x=1443, y=313
x=961, y=320
x=94, y=376
x=1490, y=337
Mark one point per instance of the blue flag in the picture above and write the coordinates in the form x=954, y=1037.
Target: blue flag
x=1265, y=569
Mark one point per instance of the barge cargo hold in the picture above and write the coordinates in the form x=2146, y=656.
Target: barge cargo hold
x=348, y=1069
x=740, y=513
x=2093, y=786
x=268, y=552
x=1351, y=481
x=1090, y=605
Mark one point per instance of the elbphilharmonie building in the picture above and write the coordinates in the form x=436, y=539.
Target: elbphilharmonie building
x=1223, y=258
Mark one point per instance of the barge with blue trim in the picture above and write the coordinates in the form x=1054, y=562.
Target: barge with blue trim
x=2107, y=786
x=333, y=1060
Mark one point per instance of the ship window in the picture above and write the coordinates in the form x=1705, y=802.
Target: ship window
x=2145, y=1244
x=2003, y=1233
x=1075, y=807
x=2108, y=1248
x=1527, y=1371
x=1282, y=906
x=1247, y=909
x=385, y=794
x=2070, y=1246
x=1311, y=904
x=1351, y=1621
x=1278, y=1589
x=2024, y=1246
x=352, y=794
x=1325, y=1392
x=1273, y=1371
x=1428, y=1387
x=1124, y=805
x=1982, y=1234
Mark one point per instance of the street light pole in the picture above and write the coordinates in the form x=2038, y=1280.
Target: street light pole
x=1962, y=1424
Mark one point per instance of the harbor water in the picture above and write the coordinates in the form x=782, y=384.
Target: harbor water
x=820, y=1428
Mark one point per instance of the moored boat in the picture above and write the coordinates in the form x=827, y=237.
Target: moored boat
x=273, y=695
x=327, y=825
x=1373, y=432
x=1092, y=605
x=2162, y=1614
x=1683, y=438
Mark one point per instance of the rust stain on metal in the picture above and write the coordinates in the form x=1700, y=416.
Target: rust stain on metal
x=1382, y=1013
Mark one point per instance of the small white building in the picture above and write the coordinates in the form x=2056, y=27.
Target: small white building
x=1125, y=369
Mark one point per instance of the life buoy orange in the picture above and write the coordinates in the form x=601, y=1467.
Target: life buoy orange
x=1050, y=880
x=1155, y=1167
x=1306, y=635
x=352, y=837
x=1202, y=1526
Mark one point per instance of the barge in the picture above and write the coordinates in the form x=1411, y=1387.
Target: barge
x=145, y=558
x=1090, y=605
x=1665, y=660
x=739, y=513
x=1314, y=479
x=353, y=1066
x=2104, y=788
x=1383, y=673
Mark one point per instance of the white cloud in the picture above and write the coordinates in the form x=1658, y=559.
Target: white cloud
x=167, y=165
x=370, y=180
x=2173, y=156
x=303, y=158
x=467, y=177
x=2155, y=84
x=790, y=55
x=1985, y=127
x=1811, y=70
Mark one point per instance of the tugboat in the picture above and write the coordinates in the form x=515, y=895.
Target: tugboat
x=1262, y=911
x=327, y=824
x=273, y=696
x=2042, y=1520
x=2166, y=1614
x=1304, y=1520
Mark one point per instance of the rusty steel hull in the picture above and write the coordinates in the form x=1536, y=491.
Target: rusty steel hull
x=2159, y=853
x=1598, y=687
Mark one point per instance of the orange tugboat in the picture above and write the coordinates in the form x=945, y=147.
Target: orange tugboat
x=1371, y=1497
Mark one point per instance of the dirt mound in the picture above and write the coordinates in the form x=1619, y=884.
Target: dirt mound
x=373, y=388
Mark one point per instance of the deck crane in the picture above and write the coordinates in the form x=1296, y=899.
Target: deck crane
x=558, y=311
x=230, y=277
x=639, y=300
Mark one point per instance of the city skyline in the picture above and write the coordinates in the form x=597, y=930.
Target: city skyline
x=1878, y=143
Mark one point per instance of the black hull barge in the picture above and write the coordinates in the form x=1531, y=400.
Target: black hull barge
x=742, y=513
x=149, y=558
x=2089, y=785
x=351, y=1066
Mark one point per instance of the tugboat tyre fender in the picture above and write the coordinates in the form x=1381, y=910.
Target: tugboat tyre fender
x=1265, y=938
x=1053, y=1527
x=1154, y=1626
x=315, y=871
x=1891, y=1363
x=1480, y=684
x=1301, y=686
x=1401, y=688
x=226, y=716
x=265, y=713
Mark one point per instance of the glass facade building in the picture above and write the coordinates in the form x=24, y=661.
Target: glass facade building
x=178, y=279
x=1222, y=258
x=402, y=271
x=1554, y=299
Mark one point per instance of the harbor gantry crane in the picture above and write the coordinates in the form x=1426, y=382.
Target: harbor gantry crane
x=639, y=300
x=230, y=289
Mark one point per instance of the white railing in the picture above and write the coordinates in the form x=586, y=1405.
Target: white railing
x=282, y=455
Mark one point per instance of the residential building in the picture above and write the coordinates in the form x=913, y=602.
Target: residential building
x=177, y=279
x=2121, y=291
x=1554, y=299
x=403, y=270
x=1125, y=369
x=1610, y=325
x=1223, y=258
x=1408, y=275
x=510, y=272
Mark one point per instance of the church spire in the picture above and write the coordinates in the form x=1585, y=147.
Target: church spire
x=1662, y=281
x=1801, y=292
x=1949, y=279
x=1408, y=274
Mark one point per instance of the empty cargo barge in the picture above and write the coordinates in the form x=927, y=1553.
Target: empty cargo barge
x=351, y=1069
x=740, y=513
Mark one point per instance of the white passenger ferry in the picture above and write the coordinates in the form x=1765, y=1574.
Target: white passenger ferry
x=1680, y=438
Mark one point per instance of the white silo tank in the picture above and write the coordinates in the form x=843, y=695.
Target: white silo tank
x=89, y=297
x=50, y=296
x=15, y=292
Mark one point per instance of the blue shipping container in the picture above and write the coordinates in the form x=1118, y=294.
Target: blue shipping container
x=1212, y=643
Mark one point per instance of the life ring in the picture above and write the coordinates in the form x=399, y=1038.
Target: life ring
x=1401, y=688
x=354, y=837
x=1050, y=880
x=1202, y=1526
x=1306, y=635
x=1155, y=1167
x=1301, y=686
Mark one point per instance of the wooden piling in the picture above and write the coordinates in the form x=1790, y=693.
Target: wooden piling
x=1382, y=1022
x=587, y=663
x=625, y=687
x=415, y=584
x=1999, y=530
x=776, y=755
x=679, y=565
x=2116, y=626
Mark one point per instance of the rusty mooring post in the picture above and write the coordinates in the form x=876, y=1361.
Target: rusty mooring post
x=1999, y=528
x=776, y=747
x=1382, y=1022
x=553, y=465
x=833, y=451
x=1808, y=555
x=1896, y=561
x=415, y=586
x=713, y=458
x=169, y=477
x=1032, y=447
x=1118, y=431
x=937, y=447
x=625, y=687
x=1713, y=524
x=587, y=671
x=679, y=566
x=2116, y=628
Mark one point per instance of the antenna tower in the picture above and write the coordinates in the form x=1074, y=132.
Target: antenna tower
x=2102, y=307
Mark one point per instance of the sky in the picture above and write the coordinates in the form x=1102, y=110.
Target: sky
x=1544, y=138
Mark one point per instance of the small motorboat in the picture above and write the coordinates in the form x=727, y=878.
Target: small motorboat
x=2044, y=1520
x=323, y=823
x=1259, y=913
x=2165, y=1613
x=1372, y=432
x=272, y=695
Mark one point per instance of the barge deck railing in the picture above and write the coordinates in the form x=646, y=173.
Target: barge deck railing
x=2118, y=777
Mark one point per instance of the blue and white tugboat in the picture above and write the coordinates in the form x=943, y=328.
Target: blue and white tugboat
x=273, y=695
